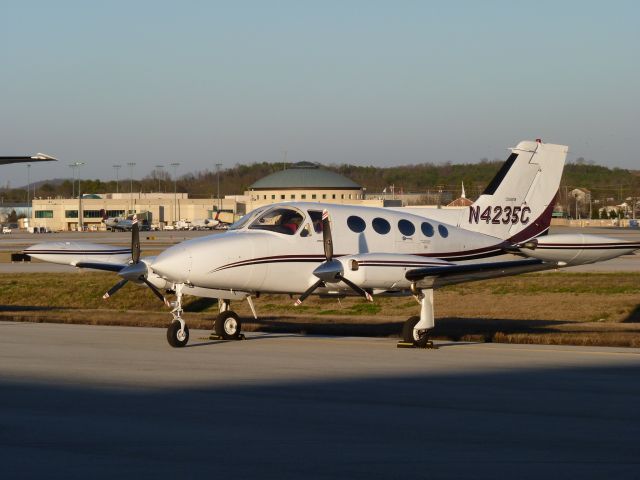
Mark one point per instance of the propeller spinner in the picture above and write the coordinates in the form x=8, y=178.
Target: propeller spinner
x=136, y=271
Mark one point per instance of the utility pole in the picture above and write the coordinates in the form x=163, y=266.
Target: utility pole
x=218, y=165
x=159, y=173
x=175, y=166
x=116, y=168
x=131, y=165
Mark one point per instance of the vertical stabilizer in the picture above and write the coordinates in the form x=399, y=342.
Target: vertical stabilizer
x=518, y=203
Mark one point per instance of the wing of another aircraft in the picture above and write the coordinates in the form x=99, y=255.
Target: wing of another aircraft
x=38, y=157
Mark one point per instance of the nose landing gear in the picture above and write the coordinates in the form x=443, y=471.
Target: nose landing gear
x=178, y=332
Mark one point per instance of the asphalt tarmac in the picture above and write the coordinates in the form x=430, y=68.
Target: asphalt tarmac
x=116, y=402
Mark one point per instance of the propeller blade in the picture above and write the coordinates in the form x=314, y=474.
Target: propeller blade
x=156, y=292
x=115, y=288
x=360, y=291
x=327, y=240
x=135, y=240
x=307, y=292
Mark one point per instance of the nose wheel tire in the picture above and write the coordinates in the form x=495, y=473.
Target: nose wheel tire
x=228, y=325
x=176, y=336
x=418, y=339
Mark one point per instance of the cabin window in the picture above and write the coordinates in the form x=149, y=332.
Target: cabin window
x=316, y=220
x=406, y=227
x=245, y=220
x=356, y=224
x=444, y=233
x=381, y=226
x=427, y=229
x=279, y=220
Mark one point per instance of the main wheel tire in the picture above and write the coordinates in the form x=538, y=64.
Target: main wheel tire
x=176, y=338
x=228, y=325
x=409, y=335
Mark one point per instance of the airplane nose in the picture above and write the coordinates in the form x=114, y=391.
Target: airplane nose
x=174, y=264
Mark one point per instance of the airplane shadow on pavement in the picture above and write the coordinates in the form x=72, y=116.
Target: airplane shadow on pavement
x=579, y=422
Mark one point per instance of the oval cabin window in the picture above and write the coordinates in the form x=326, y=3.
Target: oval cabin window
x=406, y=227
x=381, y=226
x=356, y=224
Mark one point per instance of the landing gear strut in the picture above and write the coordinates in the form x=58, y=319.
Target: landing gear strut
x=415, y=331
x=178, y=332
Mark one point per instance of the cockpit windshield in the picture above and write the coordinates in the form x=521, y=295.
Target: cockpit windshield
x=242, y=222
x=280, y=220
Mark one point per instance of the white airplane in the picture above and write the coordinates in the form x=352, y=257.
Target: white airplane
x=313, y=248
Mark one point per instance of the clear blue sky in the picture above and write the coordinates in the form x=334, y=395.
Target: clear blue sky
x=364, y=82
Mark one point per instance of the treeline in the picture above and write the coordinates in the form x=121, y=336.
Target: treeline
x=608, y=184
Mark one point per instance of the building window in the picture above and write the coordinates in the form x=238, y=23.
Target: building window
x=91, y=214
x=406, y=227
x=427, y=229
x=273, y=197
x=349, y=196
x=281, y=197
x=333, y=196
x=43, y=213
x=303, y=196
x=381, y=226
x=443, y=231
x=71, y=213
x=293, y=196
x=324, y=196
x=356, y=224
x=265, y=197
x=110, y=213
x=342, y=196
x=313, y=196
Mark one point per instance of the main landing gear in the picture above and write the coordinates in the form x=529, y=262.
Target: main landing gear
x=227, y=325
x=415, y=331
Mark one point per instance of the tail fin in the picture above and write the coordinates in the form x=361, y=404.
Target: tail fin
x=518, y=203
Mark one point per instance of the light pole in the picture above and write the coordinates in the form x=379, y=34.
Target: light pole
x=218, y=165
x=116, y=168
x=73, y=167
x=29, y=192
x=175, y=166
x=159, y=173
x=79, y=164
x=131, y=165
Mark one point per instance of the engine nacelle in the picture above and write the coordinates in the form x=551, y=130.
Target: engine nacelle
x=576, y=248
x=384, y=271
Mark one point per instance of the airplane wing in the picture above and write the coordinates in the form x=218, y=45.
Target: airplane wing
x=440, y=276
x=38, y=157
x=107, y=267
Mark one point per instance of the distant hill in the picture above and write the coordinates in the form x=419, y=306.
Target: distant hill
x=604, y=182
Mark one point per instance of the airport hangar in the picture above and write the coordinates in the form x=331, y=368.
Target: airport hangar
x=303, y=181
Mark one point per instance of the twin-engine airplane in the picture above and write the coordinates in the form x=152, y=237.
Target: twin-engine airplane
x=313, y=248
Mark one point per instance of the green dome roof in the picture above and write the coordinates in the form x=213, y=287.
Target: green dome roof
x=305, y=175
